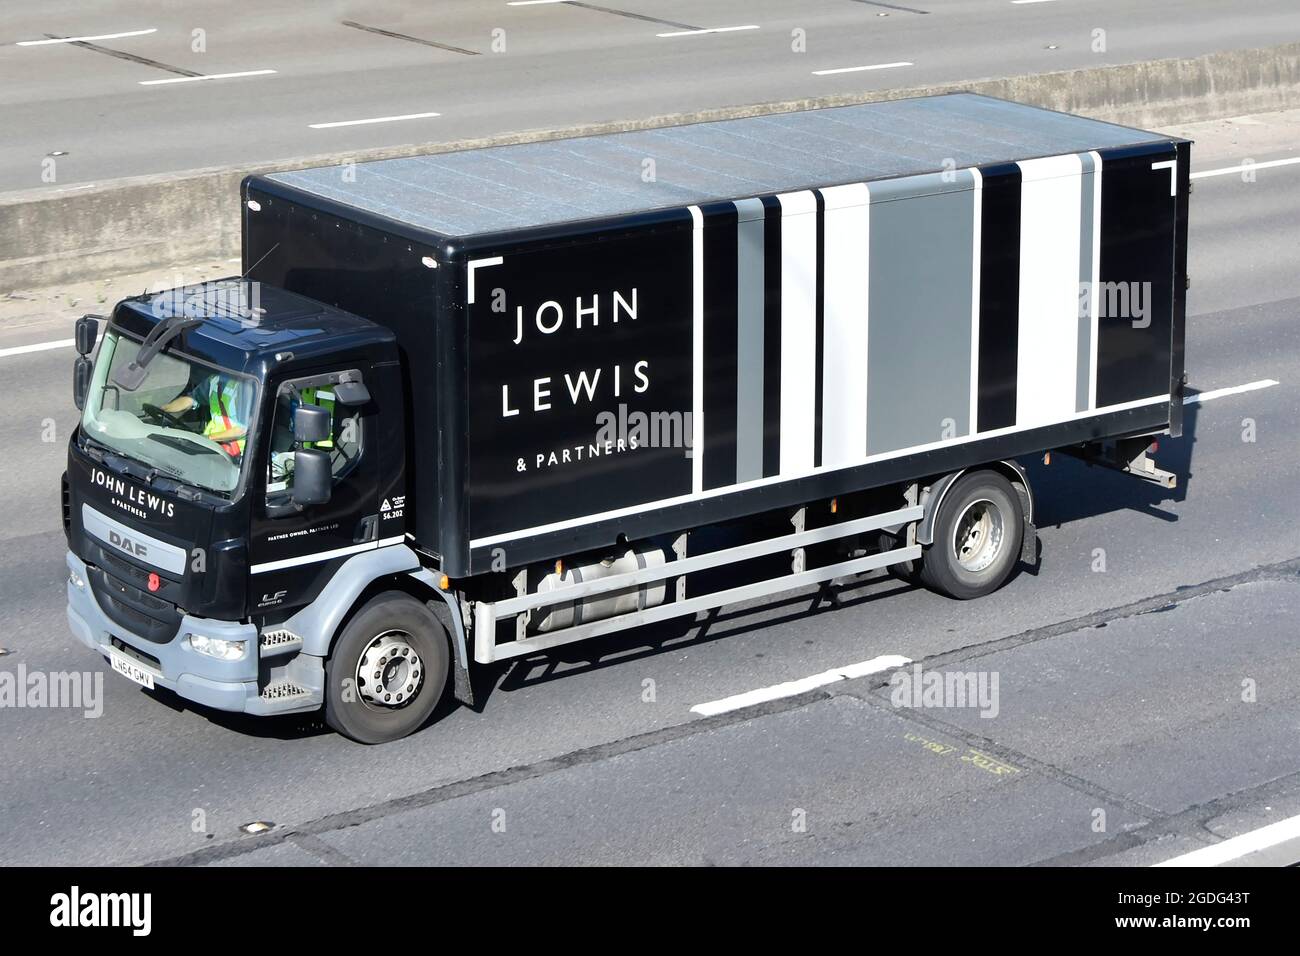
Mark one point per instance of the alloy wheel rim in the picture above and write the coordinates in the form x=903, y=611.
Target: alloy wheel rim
x=389, y=672
x=978, y=535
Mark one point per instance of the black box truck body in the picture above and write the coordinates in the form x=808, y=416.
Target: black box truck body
x=824, y=335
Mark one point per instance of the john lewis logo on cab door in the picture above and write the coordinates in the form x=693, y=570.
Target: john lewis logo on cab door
x=559, y=336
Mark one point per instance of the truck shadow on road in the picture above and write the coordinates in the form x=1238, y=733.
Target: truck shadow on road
x=1069, y=490
x=287, y=727
x=684, y=634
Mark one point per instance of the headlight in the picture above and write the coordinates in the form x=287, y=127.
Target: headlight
x=217, y=647
x=75, y=580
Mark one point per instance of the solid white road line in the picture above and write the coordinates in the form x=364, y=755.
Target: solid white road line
x=531, y=3
x=803, y=685
x=38, y=347
x=377, y=119
x=693, y=33
x=1021, y=2
x=207, y=76
x=1201, y=397
x=1239, y=846
x=859, y=69
x=1270, y=164
x=102, y=36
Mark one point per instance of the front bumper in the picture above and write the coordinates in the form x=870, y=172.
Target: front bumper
x=223, y=685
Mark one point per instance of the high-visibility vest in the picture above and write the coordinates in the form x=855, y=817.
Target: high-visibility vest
x=223, y=394
x=313, y=395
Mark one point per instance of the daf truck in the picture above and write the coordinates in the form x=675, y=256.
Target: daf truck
x=462, y=408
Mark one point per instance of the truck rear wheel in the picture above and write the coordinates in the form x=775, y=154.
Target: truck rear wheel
x=977, y=536
x=388, y=670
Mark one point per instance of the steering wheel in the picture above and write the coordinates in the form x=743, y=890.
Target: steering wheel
x=162, y=417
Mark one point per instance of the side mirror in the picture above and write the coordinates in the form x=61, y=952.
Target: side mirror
x=86, y=332
x=311, y=423
x=82, y=369
x=352, y=393
x=311, y=476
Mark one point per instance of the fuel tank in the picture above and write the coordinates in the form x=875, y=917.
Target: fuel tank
x=609, y=604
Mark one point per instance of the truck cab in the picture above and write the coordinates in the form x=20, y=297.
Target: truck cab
x=238, y=443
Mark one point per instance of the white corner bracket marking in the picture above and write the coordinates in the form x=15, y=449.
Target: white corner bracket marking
x=478, y=264
x=1172, y=166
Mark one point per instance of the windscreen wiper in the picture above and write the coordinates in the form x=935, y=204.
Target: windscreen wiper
x=187, y=445
x=131, y=375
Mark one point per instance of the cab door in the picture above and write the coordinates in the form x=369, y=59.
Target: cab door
x=295, y=549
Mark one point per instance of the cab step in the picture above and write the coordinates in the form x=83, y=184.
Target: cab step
x=284, y=690
x=279, y=641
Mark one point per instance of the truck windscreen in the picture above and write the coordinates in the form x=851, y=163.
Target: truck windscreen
x=186, y=419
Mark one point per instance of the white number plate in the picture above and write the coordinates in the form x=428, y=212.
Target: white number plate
x=130, y=669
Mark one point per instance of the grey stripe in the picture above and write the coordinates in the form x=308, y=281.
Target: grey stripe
x=123, y=539
x=919, y=311
x=1084, y=361
x=749, y=339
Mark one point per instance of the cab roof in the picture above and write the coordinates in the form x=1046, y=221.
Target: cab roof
x=244, y=321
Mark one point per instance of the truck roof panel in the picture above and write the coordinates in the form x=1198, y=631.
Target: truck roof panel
x=499, y=188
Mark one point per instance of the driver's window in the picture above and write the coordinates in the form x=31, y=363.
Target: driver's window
x=343, y=445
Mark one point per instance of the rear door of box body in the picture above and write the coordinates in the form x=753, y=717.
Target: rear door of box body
x=814, y=342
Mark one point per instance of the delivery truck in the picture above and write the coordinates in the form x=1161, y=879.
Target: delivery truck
x=466, y=407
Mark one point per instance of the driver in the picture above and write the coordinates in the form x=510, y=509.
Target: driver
x=226, y=401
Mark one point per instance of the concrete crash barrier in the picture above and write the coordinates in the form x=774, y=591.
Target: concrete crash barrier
x=49, y=236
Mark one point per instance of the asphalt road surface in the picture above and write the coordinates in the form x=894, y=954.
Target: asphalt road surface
x=1148, y=675
x=274, y=80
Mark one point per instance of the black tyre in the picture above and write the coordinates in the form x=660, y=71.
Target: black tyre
x=388, y=670
x=908, y=571
x=977, y=536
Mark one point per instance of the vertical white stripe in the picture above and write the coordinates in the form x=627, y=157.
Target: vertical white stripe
x=977, y=234
x=1047, y=363
x=1095, y=278
x=697, y=350
x=798, y=330
x=844, y=347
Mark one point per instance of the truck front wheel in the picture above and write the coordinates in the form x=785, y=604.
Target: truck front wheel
x=388, y=670
x=977, y=536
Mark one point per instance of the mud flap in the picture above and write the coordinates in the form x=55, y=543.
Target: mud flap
x=462, y=689
x=449, y=614
x=1029, y=545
